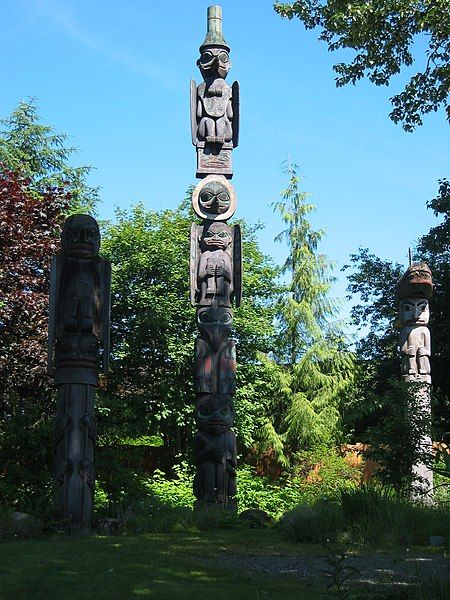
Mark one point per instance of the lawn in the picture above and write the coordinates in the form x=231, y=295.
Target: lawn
x=163, y=566
x=235, y=564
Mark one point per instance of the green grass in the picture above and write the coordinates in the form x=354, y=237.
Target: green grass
x=162, y=566
x=172, y=566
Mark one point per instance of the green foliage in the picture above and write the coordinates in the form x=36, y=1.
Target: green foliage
x=400, y=416
x=373, y=282
x=172, y=492
x=378, y=515
x=318, y=523
x=382, y=33
x=311, y=371
x=149, y=390
x=367, y=514
x=317, y=474
x=38, y=187
x=40, y=155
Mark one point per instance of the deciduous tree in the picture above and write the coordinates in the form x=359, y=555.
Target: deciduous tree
x=383, y=34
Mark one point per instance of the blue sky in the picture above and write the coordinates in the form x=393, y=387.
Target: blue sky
x=115, y=77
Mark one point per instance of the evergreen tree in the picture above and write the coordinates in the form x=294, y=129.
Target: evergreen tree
x=312, y=370
x=40, y=156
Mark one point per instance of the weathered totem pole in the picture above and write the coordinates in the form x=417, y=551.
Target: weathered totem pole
x=215, y=269
x=78, y=344
x=414, y=290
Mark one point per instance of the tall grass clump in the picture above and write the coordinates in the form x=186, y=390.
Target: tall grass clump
x=369, y=514
x=378, y=515
x=318, y=523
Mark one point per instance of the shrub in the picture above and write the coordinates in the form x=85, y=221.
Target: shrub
x=377, y=515
x=318, y=523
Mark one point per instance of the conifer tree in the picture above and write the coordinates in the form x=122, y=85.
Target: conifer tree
x=39, y=155
x=312, y=370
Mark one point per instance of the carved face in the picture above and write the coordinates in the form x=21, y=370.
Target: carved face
x=80, y=236
x=73, y=349
x=213, y=61
x=414, y=311
x=215, y=236
x=209, y=316
x=215, y=413
x=215, y=322
x=214, y=198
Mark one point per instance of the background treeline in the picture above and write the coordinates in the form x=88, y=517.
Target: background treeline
x=302, y=389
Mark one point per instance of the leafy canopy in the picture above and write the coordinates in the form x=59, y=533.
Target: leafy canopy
x=383, y=34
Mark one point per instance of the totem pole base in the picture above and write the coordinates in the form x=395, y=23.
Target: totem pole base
x=204, y=506
x=74, y=456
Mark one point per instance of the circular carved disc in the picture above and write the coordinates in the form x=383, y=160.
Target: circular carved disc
x=214, y=199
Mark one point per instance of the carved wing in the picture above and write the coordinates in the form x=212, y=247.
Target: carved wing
x=237, y=265
x=105, y=309
x=53, y=302
x=194, y=112
x=236, y=105
x=193, y=264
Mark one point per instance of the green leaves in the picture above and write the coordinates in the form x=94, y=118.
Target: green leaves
x=382, y=34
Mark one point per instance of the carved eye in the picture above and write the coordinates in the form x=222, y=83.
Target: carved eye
x=207, y=197
x=225, y=410
x=205, y=317
x=223, y=197
x=205, y=410
x=225, y=318
x=222, y=234
x=223, y=57
x=206, y=57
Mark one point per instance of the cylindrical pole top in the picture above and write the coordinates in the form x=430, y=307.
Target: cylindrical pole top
x=214, y=35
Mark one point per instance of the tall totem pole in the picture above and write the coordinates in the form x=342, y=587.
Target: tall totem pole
x=215, y=269
x=414, y=290
x=78, y=344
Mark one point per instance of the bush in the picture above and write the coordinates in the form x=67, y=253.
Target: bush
x=368, y=514
x=319, y=523
x=377, y=515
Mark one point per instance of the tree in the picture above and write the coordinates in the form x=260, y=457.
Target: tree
x=374, y=281
x=38, y=188
x=39, y=155
x=149, y=391
x=312, y=370
x=29, y=225
x=383, y=33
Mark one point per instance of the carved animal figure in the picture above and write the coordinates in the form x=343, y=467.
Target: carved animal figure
x=215, y=450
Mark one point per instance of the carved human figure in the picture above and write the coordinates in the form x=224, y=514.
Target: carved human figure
x=215, y=450
x=78, y=331
x=215, y=264
x=414, y=339
x=215, y=352
x=214, y=106
x=79, y=296
x=215, y=270
x=214, y=103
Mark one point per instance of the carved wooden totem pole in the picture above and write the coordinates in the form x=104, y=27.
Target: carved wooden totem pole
x=413, y=293
x=215, y=269
x=78, y=345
